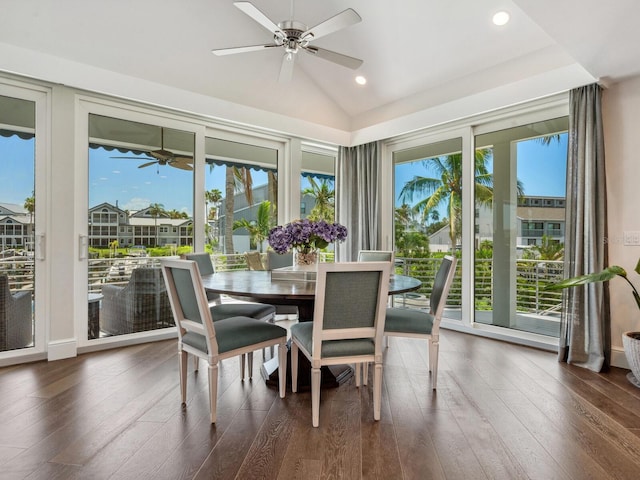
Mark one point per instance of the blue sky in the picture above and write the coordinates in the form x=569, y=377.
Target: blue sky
x=541, y=169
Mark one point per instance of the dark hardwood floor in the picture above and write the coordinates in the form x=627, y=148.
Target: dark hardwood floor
x=500, y=412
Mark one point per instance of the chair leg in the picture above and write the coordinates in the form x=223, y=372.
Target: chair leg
x=250, y=364
x=242, y=360
x=213, y=391
x=294, y=367
x=357, y=371
x=435, y=347
x=377, y=390
x=195, y=363
x=365, y=373
x=183, y=359
x=315, y=397
x=282, y=368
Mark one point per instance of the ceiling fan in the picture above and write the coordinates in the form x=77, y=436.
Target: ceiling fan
x=295, y=36
x=164, y=157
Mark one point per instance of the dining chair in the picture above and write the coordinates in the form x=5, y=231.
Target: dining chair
x=211, y=341
x=280, y=260
x=347, y=327
x=414, y=323
x=373, y=256
x=376, y=256
x=260, y=311
x=220, y=311
x=254, y=260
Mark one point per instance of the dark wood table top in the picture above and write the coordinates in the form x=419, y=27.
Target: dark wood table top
x=258, y=284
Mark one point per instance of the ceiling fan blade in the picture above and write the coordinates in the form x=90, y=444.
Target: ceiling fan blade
x=342, y=20
x=181, y=165
x=261, y=18
x=335, y=57
x=148, y=164
x=135, y=158
x=286, y=70
x=250, y=48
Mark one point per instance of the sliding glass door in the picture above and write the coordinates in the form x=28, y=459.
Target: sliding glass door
x=428, y=216
x=141, y=190
x=22, y=224
x=519, y=220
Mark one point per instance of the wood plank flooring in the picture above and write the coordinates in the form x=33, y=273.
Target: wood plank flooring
x=501, y=411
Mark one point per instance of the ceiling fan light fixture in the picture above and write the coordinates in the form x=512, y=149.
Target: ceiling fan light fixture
x=295, y=36
x=501, y=18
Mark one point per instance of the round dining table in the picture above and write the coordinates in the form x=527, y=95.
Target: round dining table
x=258, y=285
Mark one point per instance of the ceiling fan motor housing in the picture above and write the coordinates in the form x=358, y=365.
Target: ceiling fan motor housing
x=294, y=39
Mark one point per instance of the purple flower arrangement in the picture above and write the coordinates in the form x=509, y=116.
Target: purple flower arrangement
x=305, y=235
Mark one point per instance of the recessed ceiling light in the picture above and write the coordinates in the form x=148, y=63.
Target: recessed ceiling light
x=501, y=18
x=360, y=80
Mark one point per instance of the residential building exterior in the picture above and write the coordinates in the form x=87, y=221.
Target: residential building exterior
x=108, y=223
x=536, y=216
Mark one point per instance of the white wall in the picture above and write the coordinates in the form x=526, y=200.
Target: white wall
x=621, y=112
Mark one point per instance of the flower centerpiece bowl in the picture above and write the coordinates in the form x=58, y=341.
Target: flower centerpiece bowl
x=306, y=237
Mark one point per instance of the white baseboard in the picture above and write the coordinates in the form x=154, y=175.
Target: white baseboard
x=60, y=349
x=618, y=358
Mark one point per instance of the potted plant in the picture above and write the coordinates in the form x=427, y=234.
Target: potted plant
x=630, y=340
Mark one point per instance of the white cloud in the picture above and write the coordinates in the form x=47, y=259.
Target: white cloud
x=136, y=203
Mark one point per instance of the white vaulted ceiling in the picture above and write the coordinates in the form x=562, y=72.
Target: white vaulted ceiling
x=426, y=61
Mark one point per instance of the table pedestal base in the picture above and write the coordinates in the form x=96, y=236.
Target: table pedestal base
x=331, y=377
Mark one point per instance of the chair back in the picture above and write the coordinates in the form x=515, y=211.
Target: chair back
x=350, y=305
x=189, y=305
x=441, y=286
x=205, y=267
x=377, y=256
x=279, y=260
x=254, y=260
x=203, y=259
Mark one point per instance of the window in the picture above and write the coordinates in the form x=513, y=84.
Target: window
x=428, y=215
x=317, y=196
x=241, y=195
x=526, y=160
x=140, y=187
x=17, y=221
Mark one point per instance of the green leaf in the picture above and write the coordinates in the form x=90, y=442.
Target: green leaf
x=603, y=276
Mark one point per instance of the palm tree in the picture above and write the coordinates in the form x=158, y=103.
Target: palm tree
x=229, y=208
x=30, y=206
x=213, y=196
x=176, y=214
x=155, y=210
x=324, y=195
x=549, y=249
x=447, y=189
x=259, y=228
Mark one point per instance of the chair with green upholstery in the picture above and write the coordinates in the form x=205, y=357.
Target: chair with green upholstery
x=375, y=256
x=260, y=311
x=211, y=341
x=347, y=325
x=409, y=322
x=220, y=311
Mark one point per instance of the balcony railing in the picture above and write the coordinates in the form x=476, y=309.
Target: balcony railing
x=531, y=277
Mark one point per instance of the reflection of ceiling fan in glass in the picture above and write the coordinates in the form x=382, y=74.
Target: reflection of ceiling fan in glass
x=164, y=157
x=295, y=36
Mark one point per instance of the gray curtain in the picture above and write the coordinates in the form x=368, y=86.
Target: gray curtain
x=358, y=199
x=585, y=324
